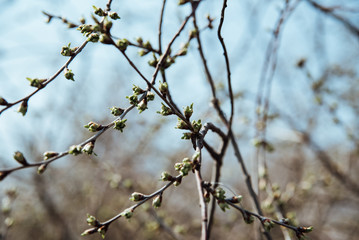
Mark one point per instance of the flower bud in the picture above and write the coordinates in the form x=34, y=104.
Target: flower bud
x=157, y=201
x=49, y=154
x=142, y=106
x=92, y=221
x=93, y=127
x=19, y=157
x=67, y=51
x=133, y=99
x=128, y=213
x=150, y=96
x=137, y=90
x=122, y=44
x=186, y=135
x=165, y=176
x=248, y=219
x=136, y=196
x=120, y=125
x=139, y=40
x=75, y=150
x=188, y=111
x=182, y=124
x=99, y=11
x=165, y=111
x=23, y=107
x=267, y=224
x=163, y=87
x=41, y=168
x=197, y=125
x=114, y=15
x=88, y=148
x=3, y=175
x=82, y=20
x=94, y=37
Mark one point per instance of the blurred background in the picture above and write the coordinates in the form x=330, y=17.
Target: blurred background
x=312, y=124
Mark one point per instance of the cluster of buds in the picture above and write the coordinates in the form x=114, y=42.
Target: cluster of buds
x=122, y=44
x=147, y=47
x=68, y=51
x=102, y=13
x=93, y=127
x=50, y=154
x=141, y=105
x=120, y=124
x=184, y=167
x=75, y=150
x=116, y=111
x=221, y=198
x=165, y=111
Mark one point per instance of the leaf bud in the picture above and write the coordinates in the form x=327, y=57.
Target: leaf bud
x=3, y=174
x=41, y=168
x=165, y=111
x=99, y=11
x=188, y=111
x=197, y=125
x=150, y=96
x=136, y=196
x=89, y=231
x=88, y=148
x=128, y=213
x=19, y=157
x=267, y=224
x=157, y=201
x=23, y=107
x=165, y=176
x=114, y=15
x=142, y=106
x=122, y=44
x=35, y=82
x=49, y=154
x=92, y=221
x=182, y=124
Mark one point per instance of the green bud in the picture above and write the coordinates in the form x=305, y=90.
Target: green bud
x=139, y=40
x=92, y=221
x=153, y=62
x=114, y=15
x=67, y=51
x=142, y=52
x=178, y=166
x=150, y=96
x=88, y=148
x=193, y=33
x=248, y=219
x=120, y=125
x=69, y=74
x=182, y=124
x=137, y=90
x=128, y=213
x=3, y=102
x=82, y=20
x=188, y=111
x=195, y=156
x=136, y=196
x=35, y=82
x=23, y=108
x=19, y=157
x=163, y=87
x=165, y=176
x=99, y=11
x=71, y=25
x=223, y=205
x=157, y=201
x=75, y=150
x=93, y=127
x=197, y=125
x=41, y=168
x=105, y=39
x=177, y=182
x=186, y=136
x=116, y=111
x=220, y=193
x=133, y=99
x=142, y=106
x=267, y=224
x=94, y=37
x=147, y=45
x=165, y=111
x=107, y=25
x=122, y=44
x=50, y=154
